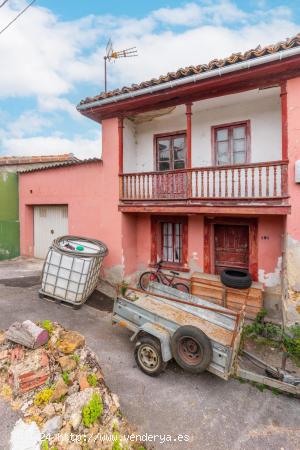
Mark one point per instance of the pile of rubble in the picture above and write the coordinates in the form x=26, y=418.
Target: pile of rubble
x=59, y=389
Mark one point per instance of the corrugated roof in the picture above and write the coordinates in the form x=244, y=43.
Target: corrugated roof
x=76, y=162
x=40, y=159
x=192, y=70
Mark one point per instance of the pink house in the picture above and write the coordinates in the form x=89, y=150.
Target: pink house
x=198, y=170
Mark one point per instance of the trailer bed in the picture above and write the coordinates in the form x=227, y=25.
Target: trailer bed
x=179, y=317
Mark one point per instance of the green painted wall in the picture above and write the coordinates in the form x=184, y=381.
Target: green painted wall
x=9, y=216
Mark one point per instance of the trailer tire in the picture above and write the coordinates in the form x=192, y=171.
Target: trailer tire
x=236, y=278
x=191, y=349
x=148, y=356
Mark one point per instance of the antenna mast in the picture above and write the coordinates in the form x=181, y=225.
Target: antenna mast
x=113, y=55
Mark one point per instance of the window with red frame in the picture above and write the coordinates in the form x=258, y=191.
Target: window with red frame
x=169, y=240
x=171, y=152
x=232, y=143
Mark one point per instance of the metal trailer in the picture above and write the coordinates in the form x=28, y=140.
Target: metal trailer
x=161, y=320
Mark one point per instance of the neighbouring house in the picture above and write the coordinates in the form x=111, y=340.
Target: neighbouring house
x=66, y=198
x=198, y=170
x=9, y=197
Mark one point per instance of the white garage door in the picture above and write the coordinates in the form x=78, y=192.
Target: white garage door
x=50, y=222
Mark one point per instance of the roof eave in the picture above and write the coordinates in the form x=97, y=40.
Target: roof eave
x=89, y=109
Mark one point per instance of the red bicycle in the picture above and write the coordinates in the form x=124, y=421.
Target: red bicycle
x=160, y=277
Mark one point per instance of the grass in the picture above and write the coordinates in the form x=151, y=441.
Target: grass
x=48, y=325
x=76, y=358
x=66, y=377
x=43, y=397
x=92, y=379
x=92, y=411
x=271, y=335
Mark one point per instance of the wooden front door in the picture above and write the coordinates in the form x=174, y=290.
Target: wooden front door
x=231, y=247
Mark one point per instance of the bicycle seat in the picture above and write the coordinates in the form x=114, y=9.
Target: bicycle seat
x=174, y=273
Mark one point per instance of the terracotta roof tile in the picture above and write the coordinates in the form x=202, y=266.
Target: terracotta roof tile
x=74, y=162
x=16, y=160
x=192, y=70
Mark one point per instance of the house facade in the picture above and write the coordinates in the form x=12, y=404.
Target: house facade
x=199, y=171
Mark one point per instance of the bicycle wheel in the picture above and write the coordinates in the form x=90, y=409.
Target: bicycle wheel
x=181, y=287
x=145, y=279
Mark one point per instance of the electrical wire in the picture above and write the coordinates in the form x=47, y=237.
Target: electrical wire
x=17, y=16
x=3, y=3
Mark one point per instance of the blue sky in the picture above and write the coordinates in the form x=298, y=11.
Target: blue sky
x=53, y=56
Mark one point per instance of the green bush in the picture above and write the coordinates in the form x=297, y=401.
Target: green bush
x=269, y=333
x=43, y=397
x=117, y=443
x=92, y=411
x=66, y=377
x=76, y=358
x=45, y=445
x=92, y=379
x=48, y=325
x=291, y=340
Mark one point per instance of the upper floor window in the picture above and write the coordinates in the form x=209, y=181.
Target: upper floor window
x=170, y=151
x=231, y=143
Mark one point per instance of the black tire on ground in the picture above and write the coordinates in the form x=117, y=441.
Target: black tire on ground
x=145, y=279
x=148, y=356
x=181, y=287
x=235, y=278
x=191, y=349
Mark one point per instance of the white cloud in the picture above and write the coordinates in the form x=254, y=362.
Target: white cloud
x=46, y=59
x=51, y=145
x=193, y=14
x=42, y=55
x=27, y=123
x=50, y=104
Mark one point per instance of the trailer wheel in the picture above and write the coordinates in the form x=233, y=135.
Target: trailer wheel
x=191, y=349
x=148, y=356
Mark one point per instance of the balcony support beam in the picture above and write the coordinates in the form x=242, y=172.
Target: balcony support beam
x=284, y=130
x=188, y=135
x=121, y=143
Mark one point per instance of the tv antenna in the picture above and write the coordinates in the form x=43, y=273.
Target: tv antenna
x=112, y=55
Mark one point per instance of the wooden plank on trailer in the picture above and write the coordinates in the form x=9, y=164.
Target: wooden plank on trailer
x=168, y=312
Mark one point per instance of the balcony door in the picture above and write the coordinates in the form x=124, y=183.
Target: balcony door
x=170, y=152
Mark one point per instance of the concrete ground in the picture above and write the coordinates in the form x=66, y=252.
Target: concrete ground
x=214, y=414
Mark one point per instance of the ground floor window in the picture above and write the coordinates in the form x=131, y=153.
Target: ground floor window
x=169, y=240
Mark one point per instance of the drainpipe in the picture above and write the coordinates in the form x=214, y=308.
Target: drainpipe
x=194, y=78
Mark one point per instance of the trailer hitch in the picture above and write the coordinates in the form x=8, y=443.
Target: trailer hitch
x=274, y=372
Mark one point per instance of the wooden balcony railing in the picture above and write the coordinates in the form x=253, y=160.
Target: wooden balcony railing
x=256, y=182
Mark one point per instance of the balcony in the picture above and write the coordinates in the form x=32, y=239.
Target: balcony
x=255, y=184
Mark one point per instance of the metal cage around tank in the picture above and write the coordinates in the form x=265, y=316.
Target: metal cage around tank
x=71, y=269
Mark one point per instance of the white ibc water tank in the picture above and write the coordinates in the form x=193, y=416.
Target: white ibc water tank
x=71, y=269
x=297, y=171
